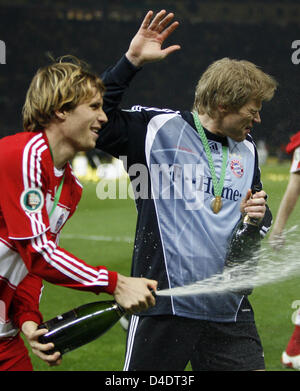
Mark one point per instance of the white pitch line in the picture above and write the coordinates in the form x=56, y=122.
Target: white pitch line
x=100, y=238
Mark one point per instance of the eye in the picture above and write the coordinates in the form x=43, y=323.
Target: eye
x=95, y=106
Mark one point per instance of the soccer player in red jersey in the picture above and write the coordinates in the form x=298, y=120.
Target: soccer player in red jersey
x=62, y=115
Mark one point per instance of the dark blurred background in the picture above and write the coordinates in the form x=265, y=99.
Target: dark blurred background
x=99, y=32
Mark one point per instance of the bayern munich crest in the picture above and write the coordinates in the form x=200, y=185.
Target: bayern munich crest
x=237, y=168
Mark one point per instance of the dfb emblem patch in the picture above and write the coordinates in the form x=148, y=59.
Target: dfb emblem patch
x=237, y=168
x=32, y=200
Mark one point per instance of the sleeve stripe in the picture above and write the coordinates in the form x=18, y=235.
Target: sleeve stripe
x=64, y=258
x=35, y=163
x=37, y=225
x=67, y=265
x=79, y=264
x=25, y=159
x=32, y=176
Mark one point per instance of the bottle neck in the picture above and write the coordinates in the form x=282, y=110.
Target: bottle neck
x=251, y=221
x=119, y=309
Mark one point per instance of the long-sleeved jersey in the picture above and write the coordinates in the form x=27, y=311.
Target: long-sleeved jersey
x=179, y=240
x=28, y=236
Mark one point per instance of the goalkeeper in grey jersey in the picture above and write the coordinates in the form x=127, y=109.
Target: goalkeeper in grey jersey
x=181, y=236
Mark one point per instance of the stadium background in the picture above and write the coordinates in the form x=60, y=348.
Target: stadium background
x=99, y=33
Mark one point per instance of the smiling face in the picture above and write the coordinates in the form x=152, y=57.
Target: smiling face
x=237, y=125
x=82, y=125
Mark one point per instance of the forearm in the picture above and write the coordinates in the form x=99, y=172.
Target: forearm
x=286, y=208
x=124, y=133
x=26, y=300
x=116, y=80
x=288, y=203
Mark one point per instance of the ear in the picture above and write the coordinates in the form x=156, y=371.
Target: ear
x=222, y=109
x=61, y=115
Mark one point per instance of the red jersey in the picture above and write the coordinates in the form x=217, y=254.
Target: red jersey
x=30, y=228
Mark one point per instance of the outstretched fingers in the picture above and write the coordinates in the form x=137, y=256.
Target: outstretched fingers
x=154, y=25
x=146, y=45
x=165, y=22
x=147, y=20
x=160, y=23
x=169, y=30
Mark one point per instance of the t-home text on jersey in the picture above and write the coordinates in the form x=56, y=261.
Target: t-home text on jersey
x=168, y=181
x=2, y=52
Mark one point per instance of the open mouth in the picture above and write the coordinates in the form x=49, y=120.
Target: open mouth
x=95, y=131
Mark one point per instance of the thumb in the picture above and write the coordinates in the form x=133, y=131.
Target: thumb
x=248, y=195
x=170, y=49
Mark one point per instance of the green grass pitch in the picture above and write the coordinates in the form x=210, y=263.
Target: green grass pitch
x=112, y=222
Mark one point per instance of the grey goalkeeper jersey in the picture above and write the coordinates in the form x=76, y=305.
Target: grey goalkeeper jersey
x=179, y=240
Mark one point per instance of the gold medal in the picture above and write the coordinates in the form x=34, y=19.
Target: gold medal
x=216, y=204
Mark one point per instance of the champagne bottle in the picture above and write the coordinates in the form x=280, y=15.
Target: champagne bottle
x=243, y=247
x=80, y=325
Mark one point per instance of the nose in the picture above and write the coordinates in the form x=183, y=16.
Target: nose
x=102, y=117
x=257, y=118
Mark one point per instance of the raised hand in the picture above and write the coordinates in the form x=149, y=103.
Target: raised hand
x=146, y=45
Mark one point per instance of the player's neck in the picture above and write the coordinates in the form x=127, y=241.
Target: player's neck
x=61, y=151
x=211, y=124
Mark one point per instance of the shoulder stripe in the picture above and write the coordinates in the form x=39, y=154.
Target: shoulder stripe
x=140, y=108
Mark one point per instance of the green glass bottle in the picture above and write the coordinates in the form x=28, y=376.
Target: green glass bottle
x=80, y=325
x=244, y=247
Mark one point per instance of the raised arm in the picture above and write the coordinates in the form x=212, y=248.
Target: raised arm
x=146, y=46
